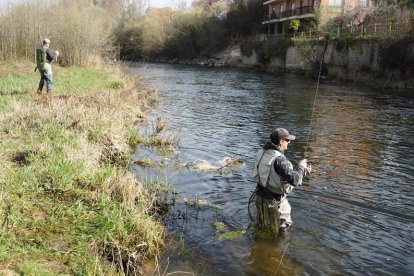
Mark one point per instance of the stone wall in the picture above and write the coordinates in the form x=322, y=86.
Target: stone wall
x=363, y=56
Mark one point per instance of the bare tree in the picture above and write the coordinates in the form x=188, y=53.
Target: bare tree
x=134, y=9
x=79, y=29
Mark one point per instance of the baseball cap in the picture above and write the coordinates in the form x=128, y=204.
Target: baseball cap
x=280, y=134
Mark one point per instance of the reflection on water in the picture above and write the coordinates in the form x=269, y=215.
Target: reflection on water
x=352, y=216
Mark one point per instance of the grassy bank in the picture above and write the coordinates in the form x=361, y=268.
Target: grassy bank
x=68, y=202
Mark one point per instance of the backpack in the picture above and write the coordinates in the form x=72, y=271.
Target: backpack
x=41, y=59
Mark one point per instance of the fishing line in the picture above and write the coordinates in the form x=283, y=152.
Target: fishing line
x=251, y=199
x=316, y=91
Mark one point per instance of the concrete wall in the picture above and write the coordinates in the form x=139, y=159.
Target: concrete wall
x=252, y=60
x=294, y=59
x=361, y=57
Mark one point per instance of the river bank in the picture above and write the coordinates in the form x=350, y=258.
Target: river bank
x=371, y=62
x=69, y=203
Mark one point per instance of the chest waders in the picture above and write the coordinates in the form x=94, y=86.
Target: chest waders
x=45, y=70
x=270, y=190
x=41, y=59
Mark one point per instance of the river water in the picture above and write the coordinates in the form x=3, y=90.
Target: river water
x=354, y=213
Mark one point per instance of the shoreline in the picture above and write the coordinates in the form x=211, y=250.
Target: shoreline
x=368, y=80
x=362, y=61
x=70, y=204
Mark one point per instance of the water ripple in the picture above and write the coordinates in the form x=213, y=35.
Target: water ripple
x=353, y=216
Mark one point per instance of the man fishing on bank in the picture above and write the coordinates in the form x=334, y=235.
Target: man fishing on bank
x=44, y=57
x=275, y=178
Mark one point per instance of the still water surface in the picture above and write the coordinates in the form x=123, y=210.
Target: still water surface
x=353, y=215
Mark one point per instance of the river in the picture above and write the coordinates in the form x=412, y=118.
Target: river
x=354, y=213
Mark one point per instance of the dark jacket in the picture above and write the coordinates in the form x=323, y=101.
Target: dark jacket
x=282, y=168
x=50, y=55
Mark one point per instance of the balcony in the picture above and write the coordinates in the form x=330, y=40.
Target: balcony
x=302, y=12
x=266, y=2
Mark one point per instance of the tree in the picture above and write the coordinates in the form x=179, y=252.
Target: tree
x=127, y=9
x=398, y=3
x=294, y=25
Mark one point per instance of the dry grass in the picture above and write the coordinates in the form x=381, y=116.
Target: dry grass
x=160, y=124
x=64, y=177
x=100, y=127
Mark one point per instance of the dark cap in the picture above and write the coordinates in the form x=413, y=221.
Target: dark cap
x=280, y=134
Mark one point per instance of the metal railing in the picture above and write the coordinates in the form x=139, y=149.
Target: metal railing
x=375, y=30
x=289, y=13
x=264, y=1
x=303, y=34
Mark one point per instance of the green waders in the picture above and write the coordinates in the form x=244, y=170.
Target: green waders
x=267, y=210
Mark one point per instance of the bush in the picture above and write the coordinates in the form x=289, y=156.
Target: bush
x=293, y=25
x=398, y=58
x=247, y=47
x=276, y=48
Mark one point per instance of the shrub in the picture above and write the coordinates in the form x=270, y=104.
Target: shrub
x=398, y=58
x=276, y=48
x=247, y=47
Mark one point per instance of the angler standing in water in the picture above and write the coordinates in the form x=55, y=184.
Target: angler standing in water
x=44, y=57
x=276, y=178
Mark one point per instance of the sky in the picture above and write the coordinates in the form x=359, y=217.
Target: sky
x=152, y=3
x=167, y=3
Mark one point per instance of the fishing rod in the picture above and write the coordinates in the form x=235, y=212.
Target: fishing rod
x=309, y=168
x=325, y=46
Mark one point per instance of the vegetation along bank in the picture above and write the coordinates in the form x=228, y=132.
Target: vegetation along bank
x=69, y=204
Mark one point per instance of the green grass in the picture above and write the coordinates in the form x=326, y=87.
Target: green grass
x=20, y=79
x=68, y=204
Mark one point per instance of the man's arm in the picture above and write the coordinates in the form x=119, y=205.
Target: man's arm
x=283, y=168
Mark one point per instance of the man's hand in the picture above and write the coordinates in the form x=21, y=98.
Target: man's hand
x=308, y=169
x=303, y=163
x=57, y=52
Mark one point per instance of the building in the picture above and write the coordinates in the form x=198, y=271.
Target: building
x=279, y=12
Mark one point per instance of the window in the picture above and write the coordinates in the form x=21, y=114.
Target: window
x=363, y=3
